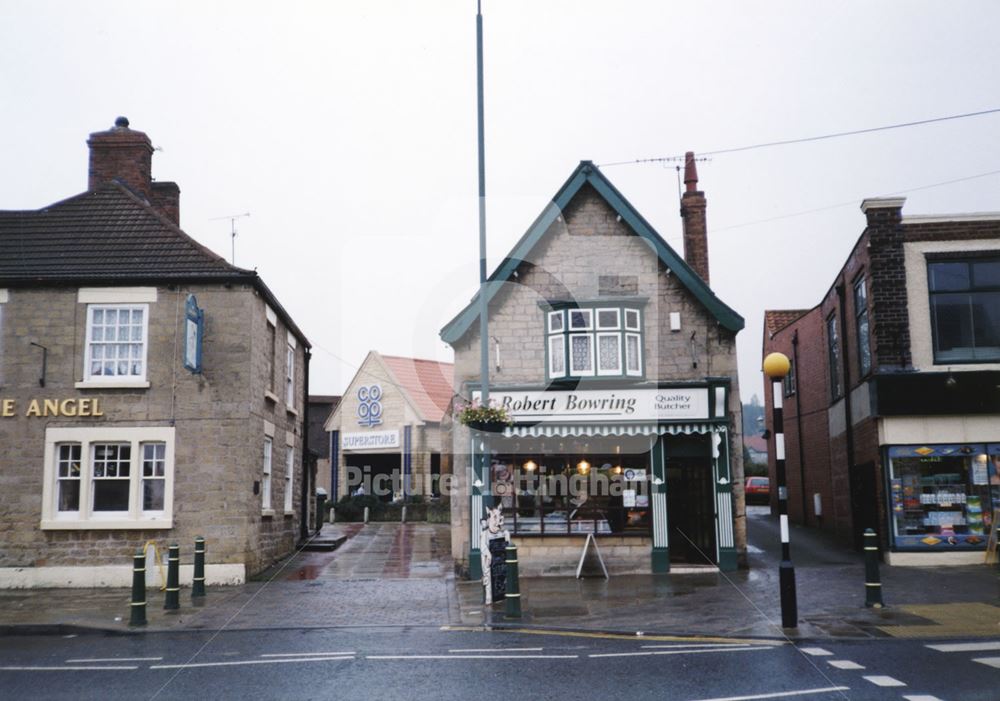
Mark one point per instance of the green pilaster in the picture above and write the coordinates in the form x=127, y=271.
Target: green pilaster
x=658, y=496
x=725, y=522
x=478, y=455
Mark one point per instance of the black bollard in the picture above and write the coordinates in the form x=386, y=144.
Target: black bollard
x=137, y=614
x=173, y=599
x=513, y=597
x=873, y=584
x=198, y=580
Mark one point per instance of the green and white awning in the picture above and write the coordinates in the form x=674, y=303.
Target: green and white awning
x=548, y=430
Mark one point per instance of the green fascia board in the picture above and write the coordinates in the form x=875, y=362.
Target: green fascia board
x=586, y=173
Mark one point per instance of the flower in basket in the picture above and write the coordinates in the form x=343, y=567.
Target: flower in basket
x=484, y=418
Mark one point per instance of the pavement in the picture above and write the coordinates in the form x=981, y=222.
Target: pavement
x=389, y=574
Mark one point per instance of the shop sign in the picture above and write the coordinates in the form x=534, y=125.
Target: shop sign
x=677, y=404
x=52, y=407
x=370, y=405
x=369, y=440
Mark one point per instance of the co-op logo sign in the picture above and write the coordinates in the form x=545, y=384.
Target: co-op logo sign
x=370, y=405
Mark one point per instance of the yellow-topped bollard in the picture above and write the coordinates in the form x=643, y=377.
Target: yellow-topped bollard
x=777, y=365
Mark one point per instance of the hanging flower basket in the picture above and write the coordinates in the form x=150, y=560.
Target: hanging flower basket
x=491, y=419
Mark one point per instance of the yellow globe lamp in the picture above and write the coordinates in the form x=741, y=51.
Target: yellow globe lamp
x=777, y=365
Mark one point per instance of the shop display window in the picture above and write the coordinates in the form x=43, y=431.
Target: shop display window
x=943, y=496
x=574, y=491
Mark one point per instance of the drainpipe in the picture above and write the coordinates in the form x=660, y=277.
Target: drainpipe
x=848, y=416
x=798, y=427
x=304, y=506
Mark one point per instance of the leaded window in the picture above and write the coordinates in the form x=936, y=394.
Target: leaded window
x=602, y=341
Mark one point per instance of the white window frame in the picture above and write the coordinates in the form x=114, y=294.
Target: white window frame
x=559, y=341
x=552, y=316
x=637, y=372
x=152, y=478
x=617, y=336
x=588, y=312
x=573, y=370
x=618, y=318
x=290, y=373
x=289, y=477
x=265, y=482
x=272, y=353
x=86, y=519
x=638, y=319
x=91, y=380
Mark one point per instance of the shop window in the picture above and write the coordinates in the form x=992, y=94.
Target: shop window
x=600, y=341
x=289, y=476
x=101, y=478
x=265, y=483
x=965, y=310
x=833, y=357
x=861, y=326
x=943, y=497
x=116, y=342
x=602, y=490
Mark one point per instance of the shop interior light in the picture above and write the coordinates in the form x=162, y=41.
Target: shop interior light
x=530, y=466
x=583, y=467
x=618, y=469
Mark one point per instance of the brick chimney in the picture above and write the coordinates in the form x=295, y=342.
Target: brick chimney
x=693, y=215
x=126, y=155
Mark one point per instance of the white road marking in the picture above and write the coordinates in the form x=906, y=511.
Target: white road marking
x=115, y=659
x=965, y=647
x=989, y=661
x=815, y=651
x=501, y=649
x=882, y=680
x=245, y=662
x=304, y=654
x=783, y=694
x=73, y=668
x=472, y=657
x=844, y=664
x=744, y=648
x=693, y=645
x=921, y=697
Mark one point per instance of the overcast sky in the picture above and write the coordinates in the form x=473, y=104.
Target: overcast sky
x=348, y=131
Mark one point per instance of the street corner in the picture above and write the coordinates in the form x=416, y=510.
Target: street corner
x=950, y=620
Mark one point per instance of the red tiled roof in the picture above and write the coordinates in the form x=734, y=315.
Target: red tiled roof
x=755, y=443
x=777, y=319
x=428, y=382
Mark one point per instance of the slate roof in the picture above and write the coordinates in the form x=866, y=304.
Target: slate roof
x=584, y=174
x=110, y=236
x=103, y=234
x=777, y=319
x=427, y=382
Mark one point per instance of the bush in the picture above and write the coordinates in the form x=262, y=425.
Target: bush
x=352, y=508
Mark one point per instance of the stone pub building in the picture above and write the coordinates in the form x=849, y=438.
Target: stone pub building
x=150, y=392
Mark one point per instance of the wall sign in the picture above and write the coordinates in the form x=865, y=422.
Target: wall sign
x=194, y=329
x=671, y=404
x=370, y=405
x=369, y=440
x=52, y=407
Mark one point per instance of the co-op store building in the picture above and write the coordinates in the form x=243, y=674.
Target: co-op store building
x=617, y=364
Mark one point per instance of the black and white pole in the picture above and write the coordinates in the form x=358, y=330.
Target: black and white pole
x=776, y=367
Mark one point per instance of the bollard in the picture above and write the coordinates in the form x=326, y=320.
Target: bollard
x=366, y=514
x=513, y=596
x=198, y=580
x=402, y=518
x=873, y=584
x=137, y=614
x=172, y=601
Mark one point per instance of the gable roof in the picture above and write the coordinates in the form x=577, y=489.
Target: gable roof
x=427, y=383
x=588, y=174
x=110, y=236
x=777, y=319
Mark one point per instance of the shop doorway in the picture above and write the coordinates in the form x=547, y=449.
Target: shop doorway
x=864, y=502
x=380, y=474
x=691, y=510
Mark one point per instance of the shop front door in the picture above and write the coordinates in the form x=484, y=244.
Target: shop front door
x=691, y=510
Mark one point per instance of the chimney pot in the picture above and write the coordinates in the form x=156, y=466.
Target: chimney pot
x=122, y=122
x=690, y=172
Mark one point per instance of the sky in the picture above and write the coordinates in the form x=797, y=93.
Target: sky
x=347, y=130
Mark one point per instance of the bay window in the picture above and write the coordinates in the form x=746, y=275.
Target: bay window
x=593, y=341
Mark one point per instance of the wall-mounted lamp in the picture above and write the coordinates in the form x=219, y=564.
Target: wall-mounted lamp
x=950, y=382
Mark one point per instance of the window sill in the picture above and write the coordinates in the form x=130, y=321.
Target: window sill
x=292, y=410
x=105, y=525
x=267, y=513
x=270, y=396
x=289, y=514
x=112, y=384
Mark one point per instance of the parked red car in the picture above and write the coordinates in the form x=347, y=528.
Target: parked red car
x=758, y=490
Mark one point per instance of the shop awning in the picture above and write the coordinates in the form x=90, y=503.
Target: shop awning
x=643, y=429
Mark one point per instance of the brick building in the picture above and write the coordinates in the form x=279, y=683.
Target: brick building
x=149, y=391
x=617, y=364
x=385, y=433
x=892, y=407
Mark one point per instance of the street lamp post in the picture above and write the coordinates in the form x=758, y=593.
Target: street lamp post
x=776, y=366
